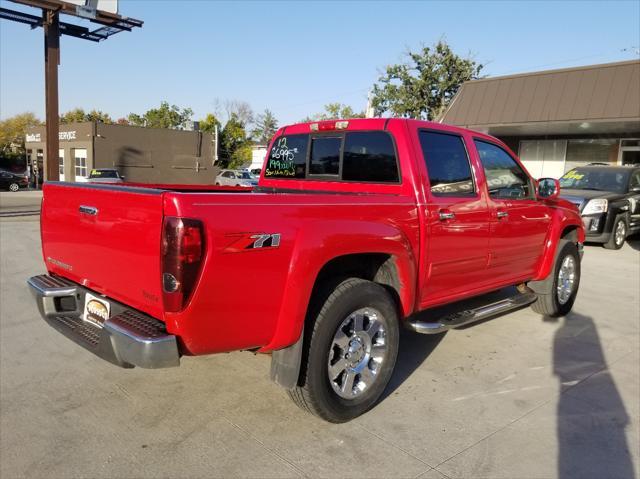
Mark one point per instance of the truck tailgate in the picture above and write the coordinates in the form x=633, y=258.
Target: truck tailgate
x=107, y=238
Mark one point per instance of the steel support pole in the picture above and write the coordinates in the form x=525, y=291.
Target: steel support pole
x=51, y=26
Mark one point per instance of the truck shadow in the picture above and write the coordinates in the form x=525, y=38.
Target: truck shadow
x=591, y=416
x=634, y=241
x=414, y=350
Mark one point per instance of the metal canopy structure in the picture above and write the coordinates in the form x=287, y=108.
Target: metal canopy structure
x=110, y=24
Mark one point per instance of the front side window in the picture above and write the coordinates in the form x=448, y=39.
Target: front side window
x=447, y=164
x=635, y=180
x=505, y=178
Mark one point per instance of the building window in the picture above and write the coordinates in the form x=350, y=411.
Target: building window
x=80, y=156
x=583, y=152
x=61, y=162
x=543, y=158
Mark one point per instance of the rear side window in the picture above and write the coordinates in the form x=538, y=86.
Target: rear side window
x=325, y=156
x=447, y=163
x=288, y=157
x=369, y=156
x=505, y=178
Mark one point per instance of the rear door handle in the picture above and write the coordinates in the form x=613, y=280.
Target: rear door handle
x=502, y=214
x=445, y=215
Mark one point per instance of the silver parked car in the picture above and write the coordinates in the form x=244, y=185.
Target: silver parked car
x=236, y=178
x=105, y=175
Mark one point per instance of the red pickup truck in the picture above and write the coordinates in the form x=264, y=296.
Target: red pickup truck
x=356, y=228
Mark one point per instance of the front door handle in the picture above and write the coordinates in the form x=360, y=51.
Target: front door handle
x=445, y=215
x=502, y=214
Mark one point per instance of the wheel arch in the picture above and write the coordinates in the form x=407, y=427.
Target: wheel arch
x=396, y=274
x=563, y=226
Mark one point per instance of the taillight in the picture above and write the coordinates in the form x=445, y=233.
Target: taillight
x=182, y=253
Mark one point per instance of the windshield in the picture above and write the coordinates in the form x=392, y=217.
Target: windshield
x=245, y=176
x=600, y=179
x=103, y=174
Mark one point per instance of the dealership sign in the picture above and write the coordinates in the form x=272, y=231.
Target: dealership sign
x=63, y=135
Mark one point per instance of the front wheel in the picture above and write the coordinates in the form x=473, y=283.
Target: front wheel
x=557, y=293
x=14, y=187
x=350, y=352
x=618, y=234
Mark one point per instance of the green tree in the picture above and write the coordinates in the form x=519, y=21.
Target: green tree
x=165, y=116
x=78, y=115
x=209, y=123
x=235, y=149
x=99, y=116
x=424, y=85
x=334, y=111
x=14, y=129
x=266, y=126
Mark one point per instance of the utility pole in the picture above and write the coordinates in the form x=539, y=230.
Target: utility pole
x=51, y=24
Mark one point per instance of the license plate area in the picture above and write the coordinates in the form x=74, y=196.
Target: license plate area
x=96, y=310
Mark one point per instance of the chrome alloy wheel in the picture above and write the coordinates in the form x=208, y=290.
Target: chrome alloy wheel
x=566, y=279
x=357, y=352
x=620, y=233
x=14, y=187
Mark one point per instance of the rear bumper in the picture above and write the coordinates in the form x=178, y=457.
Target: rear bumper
x=127, y=339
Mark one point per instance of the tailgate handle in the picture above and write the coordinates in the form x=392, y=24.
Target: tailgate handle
x=88, y=210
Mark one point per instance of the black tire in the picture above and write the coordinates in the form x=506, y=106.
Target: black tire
x=613, y=243
x=14, y=187
x=217, y=184
x=548, y=303
x=315, y=393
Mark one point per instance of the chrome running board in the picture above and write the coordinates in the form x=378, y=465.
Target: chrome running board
x=467, y=316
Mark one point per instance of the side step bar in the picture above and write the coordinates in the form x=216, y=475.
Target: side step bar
x=467, y=316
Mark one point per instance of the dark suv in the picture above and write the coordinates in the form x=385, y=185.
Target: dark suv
x=608, y=198
x=13, y=181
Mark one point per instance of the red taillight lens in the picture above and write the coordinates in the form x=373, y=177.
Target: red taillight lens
x=182, y=253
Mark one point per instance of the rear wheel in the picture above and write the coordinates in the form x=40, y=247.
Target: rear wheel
x=558, y=292
x=351, y=350
x=14, y=187
x=618, y=234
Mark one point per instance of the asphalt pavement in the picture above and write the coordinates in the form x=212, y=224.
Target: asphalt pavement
x=513, y=397
x=20, y=203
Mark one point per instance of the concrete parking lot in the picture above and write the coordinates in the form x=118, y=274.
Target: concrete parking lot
x=513, y=397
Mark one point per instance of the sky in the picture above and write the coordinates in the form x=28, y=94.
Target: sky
x=294, y=57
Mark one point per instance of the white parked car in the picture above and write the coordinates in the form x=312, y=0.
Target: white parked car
x=236, y=178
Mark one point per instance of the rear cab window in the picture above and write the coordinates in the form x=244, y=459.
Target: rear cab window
x=354, y=156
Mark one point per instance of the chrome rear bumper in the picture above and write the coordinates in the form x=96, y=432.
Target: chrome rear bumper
x=127, y=339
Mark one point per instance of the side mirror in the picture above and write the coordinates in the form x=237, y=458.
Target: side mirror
x=548, y=189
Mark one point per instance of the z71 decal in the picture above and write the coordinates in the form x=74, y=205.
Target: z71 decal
x=252, y=241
